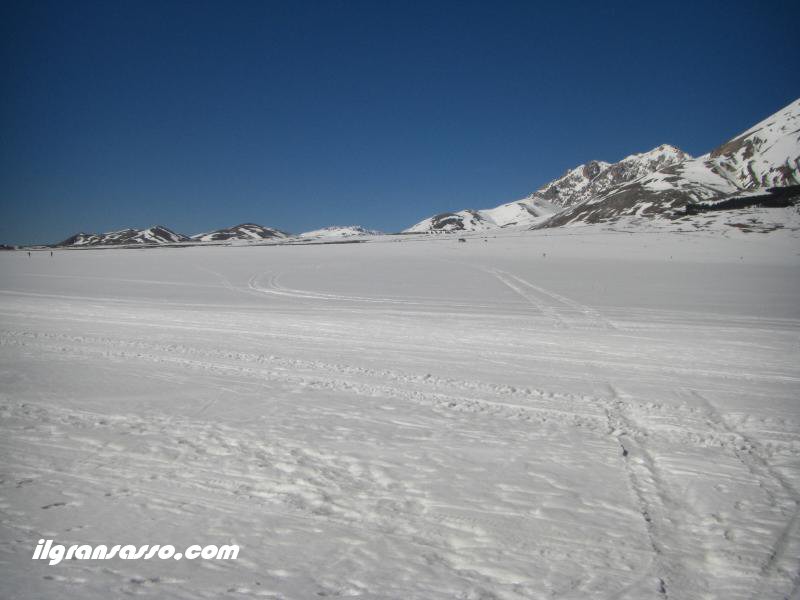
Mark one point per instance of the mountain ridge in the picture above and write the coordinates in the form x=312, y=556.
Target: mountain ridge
x=575, y=185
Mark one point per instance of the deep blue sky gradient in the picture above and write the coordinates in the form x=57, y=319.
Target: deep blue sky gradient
x=297, y=115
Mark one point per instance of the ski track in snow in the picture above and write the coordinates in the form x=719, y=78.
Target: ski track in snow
x=502, y=441
x=544, y=299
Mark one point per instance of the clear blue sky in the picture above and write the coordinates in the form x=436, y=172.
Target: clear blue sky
x=199, y=115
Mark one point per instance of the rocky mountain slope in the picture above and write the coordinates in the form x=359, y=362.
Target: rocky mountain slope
x=765, y=157
x=596, y=177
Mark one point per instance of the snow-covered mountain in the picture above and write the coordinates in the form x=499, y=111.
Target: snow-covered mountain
x=245, y=231
x=338, y=231
x=158, y=234
x=765, y=157
x=596, y=177
x=759, y=166
x=576, y=185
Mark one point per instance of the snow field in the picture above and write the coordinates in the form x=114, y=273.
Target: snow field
x=592, y=414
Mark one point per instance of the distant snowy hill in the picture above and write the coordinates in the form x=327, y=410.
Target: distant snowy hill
x=761, y=164
x=527, y=211
x=463, y=220
x=157, y=234
x=245, y=231
x=338, y=231
x=576, y=185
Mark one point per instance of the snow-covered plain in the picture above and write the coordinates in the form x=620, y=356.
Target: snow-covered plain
x=576, y=413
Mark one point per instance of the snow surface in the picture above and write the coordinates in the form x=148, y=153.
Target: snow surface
x=576, y=413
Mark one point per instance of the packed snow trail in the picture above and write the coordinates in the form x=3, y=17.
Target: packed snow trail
x=407, y=420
